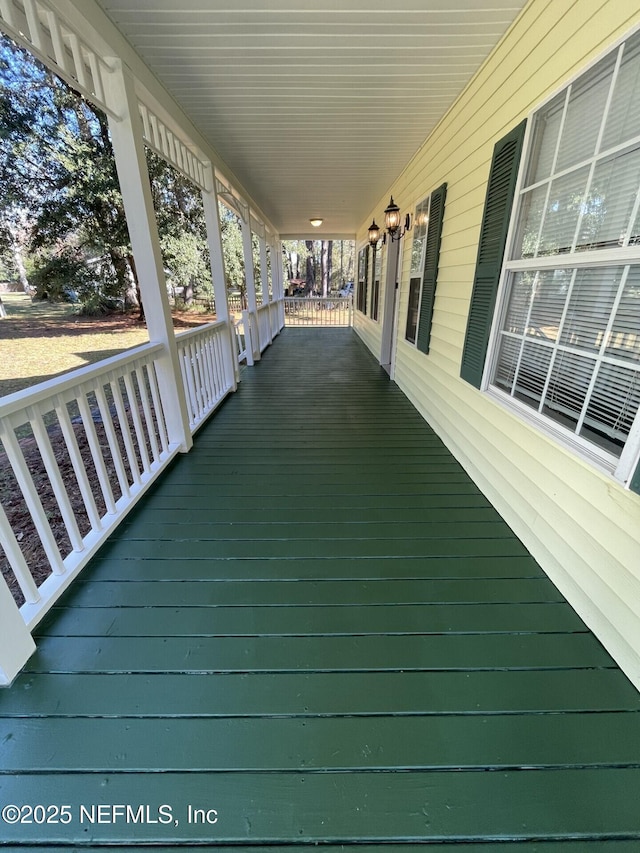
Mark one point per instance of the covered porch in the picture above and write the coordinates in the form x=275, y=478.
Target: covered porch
x=317, y=630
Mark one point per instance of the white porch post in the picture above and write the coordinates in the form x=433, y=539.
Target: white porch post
x=264, y=274
x=277, y=274
x=252, y=305
x=128, y=147
x=264, y=279
x=218, y=278
x=16, y=642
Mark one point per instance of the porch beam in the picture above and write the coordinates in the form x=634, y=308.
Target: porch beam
x=128, y=146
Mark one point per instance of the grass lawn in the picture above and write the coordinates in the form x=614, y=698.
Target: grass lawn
x=39, y=340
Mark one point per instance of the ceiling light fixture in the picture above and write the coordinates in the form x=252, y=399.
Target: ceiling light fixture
x=316, y=221
x=392, y=221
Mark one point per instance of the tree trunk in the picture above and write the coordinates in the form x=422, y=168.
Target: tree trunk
x=188, y=292
x=16, y=251
x=138, y=293
x=327, y=251
x=311, y=266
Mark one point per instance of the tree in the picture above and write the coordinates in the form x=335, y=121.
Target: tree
x=233, y=253
x=326, y=263
x=60, y=199
x=58, y=172
x=182, y=230
x=311, y=266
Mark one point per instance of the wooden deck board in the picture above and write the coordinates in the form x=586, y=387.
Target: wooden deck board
x=465, y=652
x=341, y=806
x=318, y=626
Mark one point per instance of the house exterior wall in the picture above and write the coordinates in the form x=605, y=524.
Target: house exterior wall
x=580, y=524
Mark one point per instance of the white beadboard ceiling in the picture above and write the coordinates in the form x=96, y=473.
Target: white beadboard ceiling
x=316, y=107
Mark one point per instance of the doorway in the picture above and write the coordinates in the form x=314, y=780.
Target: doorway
x=389, y=324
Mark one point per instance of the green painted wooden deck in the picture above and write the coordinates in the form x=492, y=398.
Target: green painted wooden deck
x=316, y=630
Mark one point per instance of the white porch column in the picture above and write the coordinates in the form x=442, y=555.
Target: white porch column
x=131, y=164
x=264, y=280
x=16, y=642
x=277, y=274
x=252, y=305
x=218, y=278
x=264, y=274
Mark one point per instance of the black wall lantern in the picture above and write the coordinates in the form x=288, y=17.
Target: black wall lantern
x=392, y=220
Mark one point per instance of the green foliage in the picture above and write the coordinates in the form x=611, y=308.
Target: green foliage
x=57, y=175
x=61, y=278
x=181, y=228
x=60, y=198
x=233, y=252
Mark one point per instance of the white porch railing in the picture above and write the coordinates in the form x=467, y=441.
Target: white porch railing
x=241, y=338
x=82, y=448
x=256, y=331
x=207, y=367
x=78, y=451
x=318, y=310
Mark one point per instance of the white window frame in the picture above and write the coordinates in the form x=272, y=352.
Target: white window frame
x=420, y=274
x=622, y=467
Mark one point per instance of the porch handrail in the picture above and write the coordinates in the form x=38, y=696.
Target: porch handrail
x=318, y=310
x=20, y=400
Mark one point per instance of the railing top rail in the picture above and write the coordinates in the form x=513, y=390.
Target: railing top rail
x=59, y=384
x=200, y=330
x=328, y=298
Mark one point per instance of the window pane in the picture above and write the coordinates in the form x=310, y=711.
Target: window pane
x=589, y=309
x=507, y=363
x=519, y=303
x=412, y=310
x=612, y=407
x=545, y=138
x=623, y=121
x=584, y=112
x=610, y=202
x=532, y=373
x=568, y=386
x=624, y=340
x=561, y=217
x=549, y=297
x=532, y=210
x=420, y=222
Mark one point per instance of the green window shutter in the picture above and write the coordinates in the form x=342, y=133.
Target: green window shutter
x=432, y=256
x=634, y=485
x=493, y=238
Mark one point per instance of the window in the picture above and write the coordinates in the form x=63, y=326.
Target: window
x=568, y=325
x=376, y=266
x=425, y=251
x=363, y=271
x=420, y=220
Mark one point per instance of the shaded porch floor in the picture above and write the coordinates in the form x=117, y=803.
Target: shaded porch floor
x=315, y=629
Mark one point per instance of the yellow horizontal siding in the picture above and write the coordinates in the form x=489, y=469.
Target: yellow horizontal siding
x=582, y=526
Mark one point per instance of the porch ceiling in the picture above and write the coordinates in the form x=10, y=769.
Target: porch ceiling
x=316, y=108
